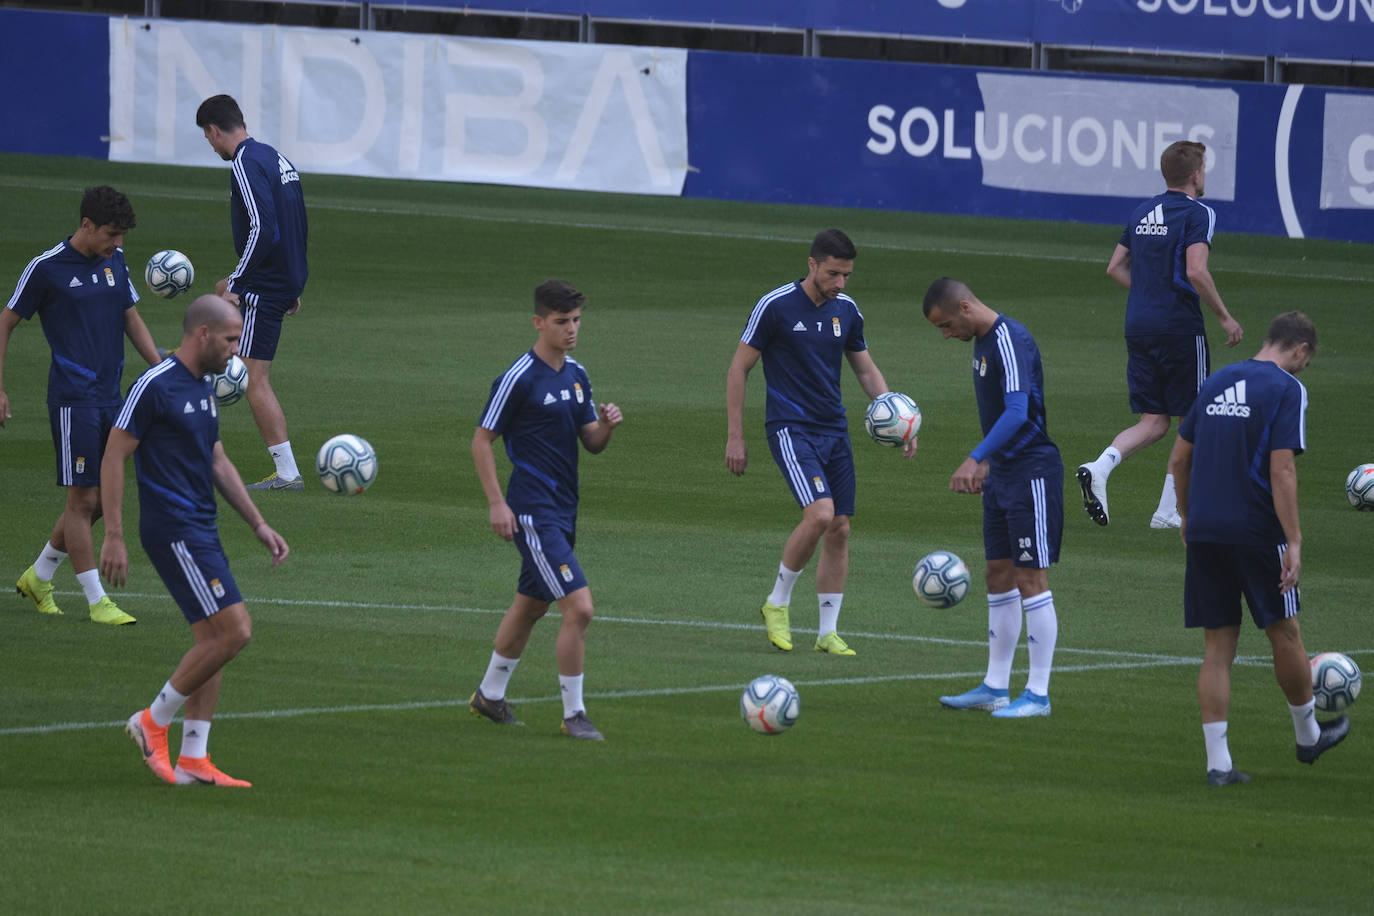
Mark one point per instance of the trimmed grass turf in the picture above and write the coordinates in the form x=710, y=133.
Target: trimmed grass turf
x=376, y=791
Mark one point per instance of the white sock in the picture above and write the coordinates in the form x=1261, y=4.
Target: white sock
x=499, y=670
x=1218, y=754
x=164, y=708
x=571, y=688
x=830, y=612
x=781, y=595
x=1108, y=460
x=90, y=582
x=1042, y=632
x=1004, y=632
x=48, y=561
x=195, y=738
x=1168, y=502
x=286, y=461
x=1305, y=723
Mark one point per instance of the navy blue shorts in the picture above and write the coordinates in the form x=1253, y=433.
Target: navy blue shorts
x=78, y=437
x=196, y=572
x=1023, y=519
x=815, y=466
x=1165, y=373
x=1218, y=575
x=262, y=320
x=548, y=568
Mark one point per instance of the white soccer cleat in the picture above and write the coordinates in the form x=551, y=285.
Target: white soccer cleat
x=1166, y=520
x=1094, y=484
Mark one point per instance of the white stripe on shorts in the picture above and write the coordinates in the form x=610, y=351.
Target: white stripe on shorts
x=1290, y=597
x=64, y=436
x=250, y=316
x=1042, y=536
x=796, y=477
x=1201, y=360
x=199, y=587
x=541, y=562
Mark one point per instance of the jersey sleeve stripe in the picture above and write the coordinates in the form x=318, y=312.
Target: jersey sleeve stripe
x=503, y=390
x=28, y=273
x=127, y=411
x=1010, y=370
x=250, y=203
x=759, y=308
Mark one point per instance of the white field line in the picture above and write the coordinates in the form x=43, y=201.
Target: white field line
x=1130, y=660
x=459, y=214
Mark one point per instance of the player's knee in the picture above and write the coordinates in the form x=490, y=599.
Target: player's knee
x=820, y=514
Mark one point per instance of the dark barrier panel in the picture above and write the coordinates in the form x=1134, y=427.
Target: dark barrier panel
x=55, y=68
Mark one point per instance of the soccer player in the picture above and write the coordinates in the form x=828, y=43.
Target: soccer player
x=803, y=331
x=267, y=216
x=170, y=424
x=83, y=296
x=1162, y=260
x=1233, y=464
x=542, y=407
x=1018, y=471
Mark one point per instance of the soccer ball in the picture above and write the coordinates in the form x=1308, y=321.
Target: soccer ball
x=1335, y=681
x=1359, y=488
x=770, y=704
x=941, y=579
x=169, y=273
x=346, y=464
x=892, y=419
x=231, y=383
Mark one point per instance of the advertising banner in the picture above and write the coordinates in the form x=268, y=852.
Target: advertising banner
x=1282, y=160
x=544, y=114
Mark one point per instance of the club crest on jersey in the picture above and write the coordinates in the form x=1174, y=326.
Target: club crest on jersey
x=577, y=390
x=835, y=325
x=217, y=587
x=109, y=277
x=819, y=484
x=981, y=366
x=565, y=572
x=80, y=465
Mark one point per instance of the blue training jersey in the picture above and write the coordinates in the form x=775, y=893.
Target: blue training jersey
x=267, y=214
x=173, y=415
x=1006, y=360
x=1244, y=411
x=80, y=302
x=539, y=412
x=1162, y=300
x=803, y=346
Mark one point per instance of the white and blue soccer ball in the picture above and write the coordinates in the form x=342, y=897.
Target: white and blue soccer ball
x=346, y=464
x=1335, y=681
x=941, y=579
x=1359, y=488
x=169, y=273
x=231, y=384
x=892, y=419
x=770, y=704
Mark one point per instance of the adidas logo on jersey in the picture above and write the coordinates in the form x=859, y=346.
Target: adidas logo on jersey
x=799, y=326
x=188, y=408
x=1230, y=403
x=550, y=399
x=1153, y=223
x=75, y=283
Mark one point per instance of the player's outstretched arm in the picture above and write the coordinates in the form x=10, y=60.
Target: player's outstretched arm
x=114, y=553
x=142, y=338
x=499, y=512
x=736, y=380
x=866, y=371
x=596, y=436
x=230, y=484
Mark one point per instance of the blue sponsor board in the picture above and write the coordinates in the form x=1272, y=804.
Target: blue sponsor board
x=1282, y=160
x=55, y=68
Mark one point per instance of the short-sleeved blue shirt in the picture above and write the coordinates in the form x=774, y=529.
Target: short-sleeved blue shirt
x=1006, y=360
x=1245, y=411
x=80, y=302
x=173, y=415
x=803, y=346
x=539, y=412
x=1162, y=299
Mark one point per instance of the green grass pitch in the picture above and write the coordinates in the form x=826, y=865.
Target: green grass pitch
x=376, y=791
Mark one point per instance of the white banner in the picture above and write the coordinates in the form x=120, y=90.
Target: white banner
x=392, y=105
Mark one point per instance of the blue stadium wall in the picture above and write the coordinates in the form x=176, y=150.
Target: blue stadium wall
x=1289, y=160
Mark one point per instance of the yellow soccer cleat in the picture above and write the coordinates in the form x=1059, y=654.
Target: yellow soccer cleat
x=199, y=771
x=107, y=612
x=831, y=644
x=37, y=591
x=274, y=482
x=779, y=629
